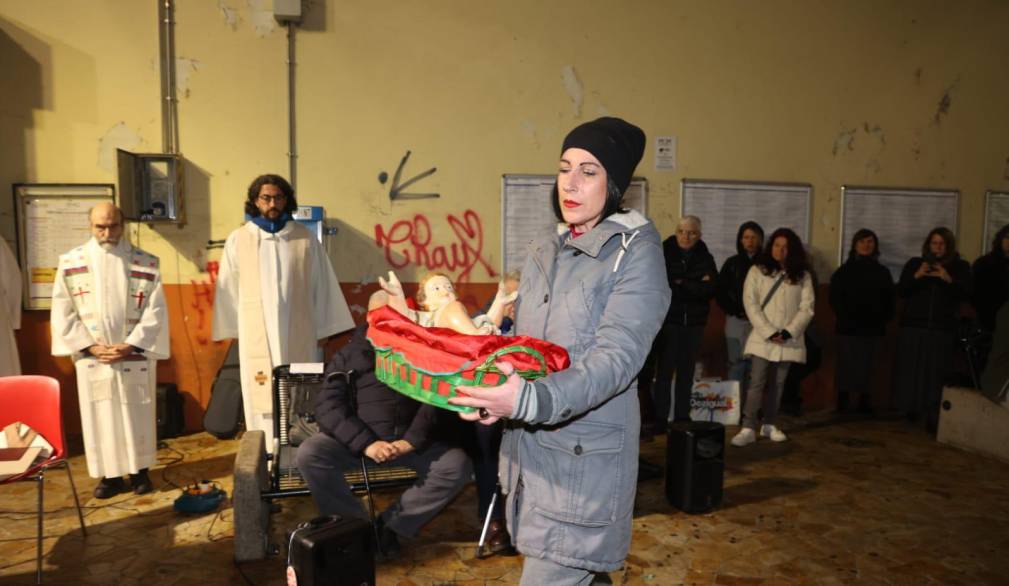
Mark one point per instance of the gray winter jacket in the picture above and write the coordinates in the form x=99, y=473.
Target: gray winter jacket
x=569, y=467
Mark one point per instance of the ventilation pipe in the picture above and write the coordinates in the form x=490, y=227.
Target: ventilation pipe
x=169, y=102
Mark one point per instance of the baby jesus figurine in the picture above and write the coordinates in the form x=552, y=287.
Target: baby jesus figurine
x=441, y=308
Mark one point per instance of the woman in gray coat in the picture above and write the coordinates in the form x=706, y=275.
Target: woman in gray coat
x=598, y=288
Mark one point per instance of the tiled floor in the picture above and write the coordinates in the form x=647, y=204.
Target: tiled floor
x=840, y=502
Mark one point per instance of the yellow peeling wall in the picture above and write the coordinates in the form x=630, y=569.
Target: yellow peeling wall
x=900, y=93
x=885, y=93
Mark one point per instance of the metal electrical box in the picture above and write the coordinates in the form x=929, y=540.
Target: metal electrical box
x=312, y=218
x=286, y=11
x=150, y=187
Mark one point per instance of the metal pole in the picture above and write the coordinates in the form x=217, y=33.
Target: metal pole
x=292, y=147
x=169, y=111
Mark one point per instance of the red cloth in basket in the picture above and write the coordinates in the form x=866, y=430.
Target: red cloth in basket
x=441, y=351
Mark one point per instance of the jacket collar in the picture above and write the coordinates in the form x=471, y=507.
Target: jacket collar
x=698, y=250
x=591, y=242
x=284, y=233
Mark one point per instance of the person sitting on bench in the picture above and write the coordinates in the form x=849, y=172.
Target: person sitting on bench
x=386, y=427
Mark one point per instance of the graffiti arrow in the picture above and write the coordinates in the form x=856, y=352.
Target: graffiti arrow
x=396, y=190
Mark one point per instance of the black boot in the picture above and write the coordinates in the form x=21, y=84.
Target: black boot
x=388, y=547
x=648, y=471
x=109, y=487
x=842, y=402
x=865, y=405
x=498, y=541
x=141, y=482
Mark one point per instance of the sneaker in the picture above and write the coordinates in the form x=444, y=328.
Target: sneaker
x=772, y=432
x=745, y=437
x=141, y=482
x=109, y=487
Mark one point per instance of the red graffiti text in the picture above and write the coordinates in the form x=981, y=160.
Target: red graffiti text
x=410, y=241
x=203, y=299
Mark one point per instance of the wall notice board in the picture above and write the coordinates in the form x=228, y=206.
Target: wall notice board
x=996, y=215
x=723, y=205
x=901, y=218
x=527, y=214
x=51, y=219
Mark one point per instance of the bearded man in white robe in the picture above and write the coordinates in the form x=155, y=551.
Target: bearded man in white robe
x=277, y=294
x=109, y=314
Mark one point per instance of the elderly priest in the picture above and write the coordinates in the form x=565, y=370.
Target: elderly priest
x=109, y=315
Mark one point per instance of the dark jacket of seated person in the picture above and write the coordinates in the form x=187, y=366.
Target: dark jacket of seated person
x=398, y=431
x=381, y=413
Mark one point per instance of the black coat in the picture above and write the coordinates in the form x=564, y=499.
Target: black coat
x=991, y=287
x=930, y=302
x=863, y=297
x=691, y=294
x=730, y=284
x=382, y=413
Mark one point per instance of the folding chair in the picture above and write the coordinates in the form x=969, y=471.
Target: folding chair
x=285, y=478
x=35, y=402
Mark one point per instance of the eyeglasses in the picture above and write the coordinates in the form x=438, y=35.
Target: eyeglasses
x=272, y=198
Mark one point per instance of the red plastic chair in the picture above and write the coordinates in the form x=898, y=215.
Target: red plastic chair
x=35, y=402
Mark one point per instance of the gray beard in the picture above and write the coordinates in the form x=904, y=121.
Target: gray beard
x=108, y=246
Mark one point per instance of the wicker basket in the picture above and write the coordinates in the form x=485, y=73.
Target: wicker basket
x=393, y=369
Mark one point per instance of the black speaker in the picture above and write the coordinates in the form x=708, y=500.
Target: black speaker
x=168, y=411
x=332, y=551
x=695, y=465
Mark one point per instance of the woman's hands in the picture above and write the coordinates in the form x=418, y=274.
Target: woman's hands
x=491, y=403
x=930, y=269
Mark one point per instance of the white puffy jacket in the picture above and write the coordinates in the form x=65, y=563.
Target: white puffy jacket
x=790, y=308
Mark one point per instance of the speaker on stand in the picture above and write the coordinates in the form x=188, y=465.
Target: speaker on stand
x=695, y=465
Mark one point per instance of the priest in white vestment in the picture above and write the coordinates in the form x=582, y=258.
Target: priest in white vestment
x=277, y=294
x=10, y=311
x=109, y=314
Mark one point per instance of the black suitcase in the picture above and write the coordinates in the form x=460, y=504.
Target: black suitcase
x=331, y=550
x=695, y=464
x=168, y=411
x=223, y=418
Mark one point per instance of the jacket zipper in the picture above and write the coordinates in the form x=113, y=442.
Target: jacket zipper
x=931, y=297
x=515, y=467
x=684, y=261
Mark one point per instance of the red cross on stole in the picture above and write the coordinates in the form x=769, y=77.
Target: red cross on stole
x=139, y=297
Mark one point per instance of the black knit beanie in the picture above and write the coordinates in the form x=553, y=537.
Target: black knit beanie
x=617, y=144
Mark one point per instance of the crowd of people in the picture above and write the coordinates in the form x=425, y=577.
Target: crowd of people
x=594, y=287
x=767, y=292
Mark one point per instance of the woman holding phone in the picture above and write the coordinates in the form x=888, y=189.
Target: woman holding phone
x=932, y=286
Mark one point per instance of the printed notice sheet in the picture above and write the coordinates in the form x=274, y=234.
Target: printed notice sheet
x=723, y=205
x=996, y=215
x=901, y=218
x=51, y=221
